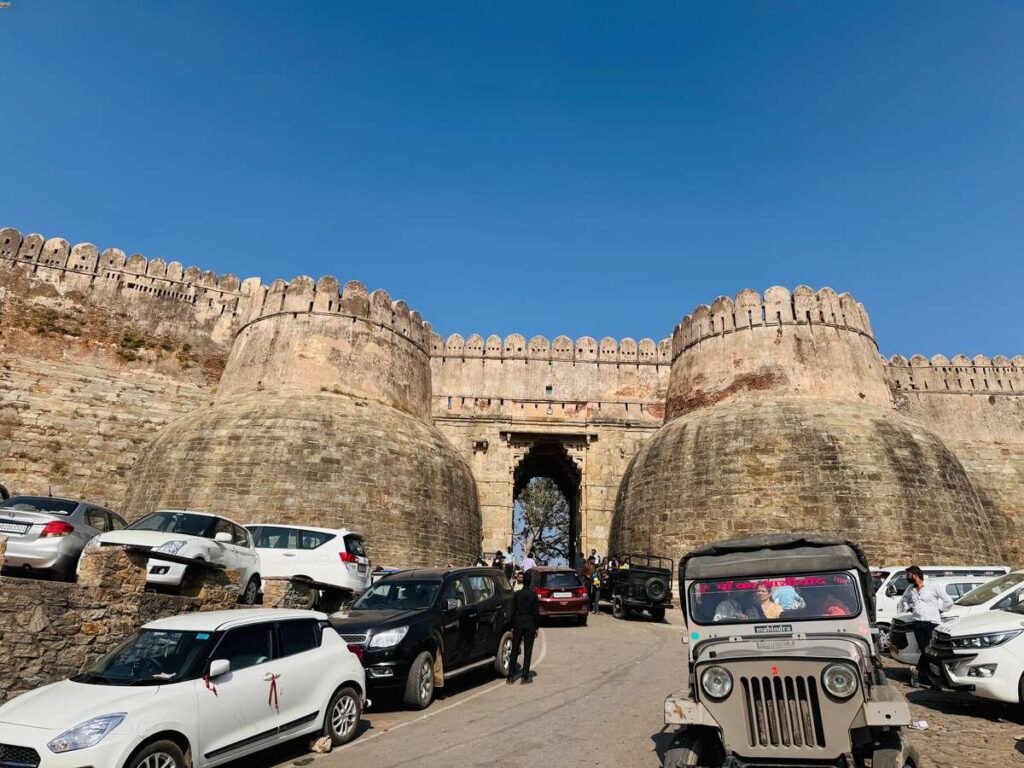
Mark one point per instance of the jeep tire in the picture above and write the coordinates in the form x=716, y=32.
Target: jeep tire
x=618, y=609
x=694, y=748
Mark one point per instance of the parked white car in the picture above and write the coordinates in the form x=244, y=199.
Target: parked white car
x=327, y=555
x=193, y=535
x=891, y=582
x=982, y=654
x=200, y=689
x=903, y=645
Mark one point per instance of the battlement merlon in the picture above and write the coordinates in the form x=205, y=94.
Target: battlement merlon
x=960, y=374
x=585, y=349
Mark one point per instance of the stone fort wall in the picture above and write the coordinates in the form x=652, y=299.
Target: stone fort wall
x=607, y=395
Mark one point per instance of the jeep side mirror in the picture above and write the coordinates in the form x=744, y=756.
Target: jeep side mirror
x=452, y=604
x=219, y=667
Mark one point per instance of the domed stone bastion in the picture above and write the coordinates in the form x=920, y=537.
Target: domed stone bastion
x=322, y=418
x=779, y=418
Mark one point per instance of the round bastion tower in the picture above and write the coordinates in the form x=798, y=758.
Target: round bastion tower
x=322, y=417
x=779, y=418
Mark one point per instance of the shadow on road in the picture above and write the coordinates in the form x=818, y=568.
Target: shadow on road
x=663, y=742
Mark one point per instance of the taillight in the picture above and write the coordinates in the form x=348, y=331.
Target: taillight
x=358, y=651
x=542, y=591
x=56, y=528
x=580, y=591
x=347, y=558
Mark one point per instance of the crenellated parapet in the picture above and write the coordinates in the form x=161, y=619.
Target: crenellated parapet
x=303, y=296
x=800, y=344
x=585, y=349
x=999, y=375
x=752, y=311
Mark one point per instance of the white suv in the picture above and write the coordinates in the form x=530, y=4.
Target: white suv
x=334, y=556
x=982, y=654
x=191, y=536
x=200, y=689
x=903, y=644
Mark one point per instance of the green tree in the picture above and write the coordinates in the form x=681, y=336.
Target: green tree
x=542, y=520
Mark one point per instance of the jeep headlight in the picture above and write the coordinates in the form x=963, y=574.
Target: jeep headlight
x=716, y=682
x=840, y=680
x=87, y=734
x=986, y=641
x=388, y=638
x=171, y=547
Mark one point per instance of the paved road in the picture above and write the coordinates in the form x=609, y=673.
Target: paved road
x=597, y=701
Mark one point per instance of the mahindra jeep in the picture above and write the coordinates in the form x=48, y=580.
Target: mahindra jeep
x=781, y=667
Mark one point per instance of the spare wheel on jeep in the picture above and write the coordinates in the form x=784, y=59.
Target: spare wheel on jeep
x=656, y=589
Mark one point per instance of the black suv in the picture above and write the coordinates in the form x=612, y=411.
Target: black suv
x=417, y=629
x=639, y=583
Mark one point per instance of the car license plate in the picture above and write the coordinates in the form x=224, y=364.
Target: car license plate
x=12, y=528
x=562, y=594
x=362, y=568
x=935, y=672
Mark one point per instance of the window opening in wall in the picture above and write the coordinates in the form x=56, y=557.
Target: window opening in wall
x=549, y=390
x=449, y=403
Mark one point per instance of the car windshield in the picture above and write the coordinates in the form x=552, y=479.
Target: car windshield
x=796, y=597
x=176, y=522
x=990, y=590
x=397, y=594
x=151, y=657
x=39, y=504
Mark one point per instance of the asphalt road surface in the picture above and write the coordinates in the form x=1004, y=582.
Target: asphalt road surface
x=597, y=701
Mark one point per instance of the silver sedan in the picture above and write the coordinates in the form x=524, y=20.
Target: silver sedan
x=46, y=535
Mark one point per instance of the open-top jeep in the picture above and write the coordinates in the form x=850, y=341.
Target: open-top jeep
x=781, y=666
x=639, y=583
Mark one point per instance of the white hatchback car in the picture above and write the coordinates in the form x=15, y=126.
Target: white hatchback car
x=327, y=555
x=192, y=535
x=200, y=689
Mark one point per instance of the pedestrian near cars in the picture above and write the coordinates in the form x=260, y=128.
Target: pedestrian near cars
x=529, y=562
x=926, y=602
x=499, y=560
x=579, y=564
x=525, y=618
x=595, y=591
x=597, y=557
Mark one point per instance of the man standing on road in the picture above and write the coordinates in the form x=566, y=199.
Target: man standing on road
x=525, y=607
x=926, y=602
x=597, y=557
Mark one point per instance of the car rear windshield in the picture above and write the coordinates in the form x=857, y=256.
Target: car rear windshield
x=796, y=597
x=176, y=522
x=990, y=590
x=39, y=504
x=354, y=545
x=560, y=579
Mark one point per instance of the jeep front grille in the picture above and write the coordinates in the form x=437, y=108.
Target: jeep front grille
x=783, y=712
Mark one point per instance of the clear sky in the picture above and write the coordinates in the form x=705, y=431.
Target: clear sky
x=542, y=167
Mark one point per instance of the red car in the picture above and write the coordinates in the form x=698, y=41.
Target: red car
x=561, y=593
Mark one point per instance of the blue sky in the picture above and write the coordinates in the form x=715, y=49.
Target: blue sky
x=549, y=167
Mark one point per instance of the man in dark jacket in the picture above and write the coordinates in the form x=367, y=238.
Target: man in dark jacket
x=525, y=607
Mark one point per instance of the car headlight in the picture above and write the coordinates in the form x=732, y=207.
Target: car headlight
x=87, y=734
x=986, y=641
x=388, y=638
x=716, y=682
x=171, y=547
x=840, y=680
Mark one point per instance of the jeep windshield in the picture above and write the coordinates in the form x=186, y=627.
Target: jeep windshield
x=397, y=595
x=796, y=597
x=151, y=657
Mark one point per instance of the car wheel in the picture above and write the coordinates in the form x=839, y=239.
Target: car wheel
x=251, y=592
x=658, y=613
x=884, y=637
x=159, y=754
x=503, y=659
x=419, y=685
x=655, y=588
x=694, y=749
x=342, y=718
x=582, y=620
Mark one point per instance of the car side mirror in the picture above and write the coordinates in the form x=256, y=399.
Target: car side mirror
x=219, y=667
x=452, y=605
x=891, y=591
x=224, y=537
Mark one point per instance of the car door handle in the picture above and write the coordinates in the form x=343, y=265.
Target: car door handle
x=288, y=554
